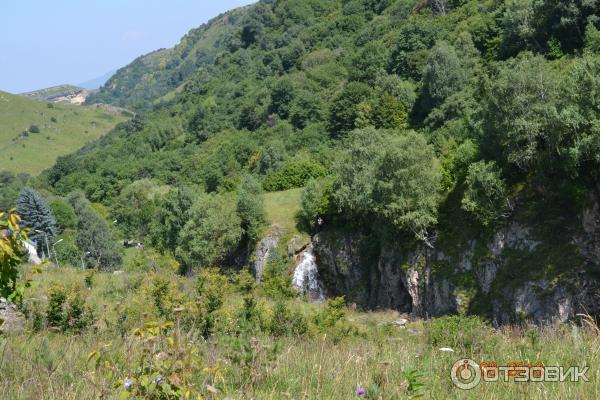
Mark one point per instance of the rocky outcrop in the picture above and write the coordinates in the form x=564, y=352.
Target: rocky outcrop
x=483, y=275
x=266, y=247
x=11, y=320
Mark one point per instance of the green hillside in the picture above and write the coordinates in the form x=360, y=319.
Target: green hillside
x=62, y=130
x=152, y=76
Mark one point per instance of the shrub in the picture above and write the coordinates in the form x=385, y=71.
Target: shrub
x=287, y=323
x=211, y=288
x=294, y=174
x=33, y=129
x=486, y=194
x=315, y=203
x=467, y=334
x=332, y=313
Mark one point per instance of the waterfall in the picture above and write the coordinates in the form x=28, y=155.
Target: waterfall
x=306, y=277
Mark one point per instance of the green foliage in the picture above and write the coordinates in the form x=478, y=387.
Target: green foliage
x=33, y=129
x=95, y=238
x=170, y=218
x=10, y=250
x=66, y=310
x=486, y=193
x=212, y=232
x=36, y=216
x=287, y=323
x=250, y=208
x=394, y=176
x=332, y=313
x=276, y=281
x=211, y=288
x=592, y=39
x=443, y=75
x=67, y=252
x=134, y=209
x=293, y=174
x=348, y=108
x=315, y=203
x=64, y=214
x=467, y=335
x=520, y=112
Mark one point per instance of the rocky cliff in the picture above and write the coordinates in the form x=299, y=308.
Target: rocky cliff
x=541, y=273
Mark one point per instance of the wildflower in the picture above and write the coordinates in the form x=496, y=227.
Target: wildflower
x=158, y=379
x=360, y=392
x=128, y=383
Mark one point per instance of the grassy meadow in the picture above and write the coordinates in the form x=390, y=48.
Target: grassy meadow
x=147, y=335
x=63, y=129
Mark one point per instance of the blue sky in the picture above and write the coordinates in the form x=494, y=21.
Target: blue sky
x=45, y=43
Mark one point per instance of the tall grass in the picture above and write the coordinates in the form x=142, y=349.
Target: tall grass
x=244, y=361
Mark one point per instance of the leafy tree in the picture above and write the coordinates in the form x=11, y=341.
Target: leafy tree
x=135, y=207
x=95, y=239
x=520, y=111
x=212, y=232
x=171, y=216
x=250, y=208
x=64, y=214
x=407, y=184
x=443, y=75
x=37, y=216
x=354, y=171
x=282, y=96
x=592, y=39
x=576, y=134
x=315, y=203
x=369, y=63
x=346, y=108
x=486, y=194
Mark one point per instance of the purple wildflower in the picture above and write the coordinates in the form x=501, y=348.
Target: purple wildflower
x=360, y=392
x=158, y=379
x=128, y=383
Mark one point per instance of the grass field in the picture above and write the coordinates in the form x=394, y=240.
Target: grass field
x=281, y=210
x=62, y=130
x=251, y=353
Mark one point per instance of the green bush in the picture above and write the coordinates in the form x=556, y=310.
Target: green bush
x=464, y=334
x=285, y=322
x=294, y=174
x=315, y=203
x=486, y=193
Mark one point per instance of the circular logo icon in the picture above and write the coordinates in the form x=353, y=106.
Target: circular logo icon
x=465, y=374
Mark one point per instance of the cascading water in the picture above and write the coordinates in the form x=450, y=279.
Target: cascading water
x=306, y=277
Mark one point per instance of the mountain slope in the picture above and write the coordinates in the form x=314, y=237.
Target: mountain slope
x=155, y=74
x=452, y=141
x=34, y=134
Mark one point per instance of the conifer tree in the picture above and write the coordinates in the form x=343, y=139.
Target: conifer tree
x=37, y=217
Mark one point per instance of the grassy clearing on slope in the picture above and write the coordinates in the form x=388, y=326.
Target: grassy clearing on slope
x=243, y=360
x=281, y=211
x=62, y=130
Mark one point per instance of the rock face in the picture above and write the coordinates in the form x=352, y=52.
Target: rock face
x=11, y=320
x=265, y=248
x=488, y=275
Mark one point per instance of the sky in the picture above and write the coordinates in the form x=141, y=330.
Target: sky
x=46, y=43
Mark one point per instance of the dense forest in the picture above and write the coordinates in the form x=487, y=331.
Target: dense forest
x=411, y=120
